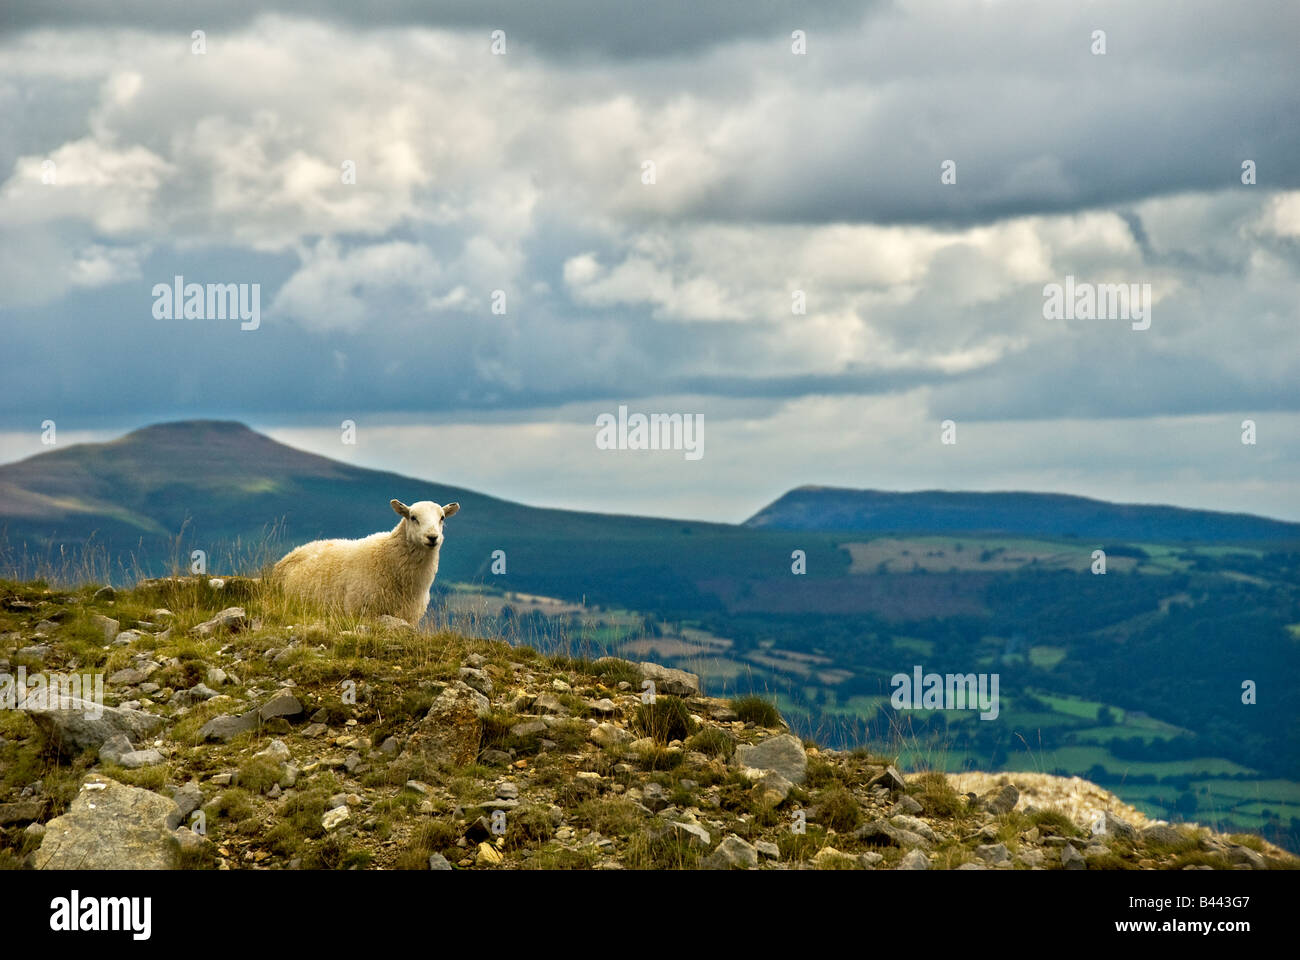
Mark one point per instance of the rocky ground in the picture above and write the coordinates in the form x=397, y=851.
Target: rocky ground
x=238, y=734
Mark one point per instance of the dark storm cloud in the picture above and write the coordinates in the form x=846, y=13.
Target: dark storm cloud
x=554, y=27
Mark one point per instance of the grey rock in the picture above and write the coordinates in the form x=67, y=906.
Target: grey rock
x=1244, y=856
x=110, y=826
x=283, y=704
x=1071, y=859
x=187, y=799
x=678, y=683
x=1109, y=825
x=76, y=724
x=773, y=788
x=1000, y=801
x=438, y=862
x=890, y=779
x=476, y=678
x=608, y=735
x=1162, y=833
x=114, y=748
x=104, y=594
x=137, y=759
x=228, y=726
x=232, y=618
x=20, y=812
x=916, y=860
x=903, y=822
x=732, y=853
x=784, y=754
x=692, y=832
x=770, y=850
x=906, y=804
x=549, y=703
x=993, y=853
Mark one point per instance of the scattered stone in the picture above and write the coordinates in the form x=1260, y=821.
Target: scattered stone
x=335, y=818
x=993, y=853
x=1162, y=833
x=1109, y=825
x=916, y=860
x=890, y=779
x=76, y=724
x=1071, y=859
x=137, y=759
x=678, y=683
x=438, y=862
x=105, y=594
x=608, y=735
x=783, y=754
x=906, y=804
x=110, y=826
x=1000, y=801
x=732, y=853
x=232, y=618
x=20, y=812
x=770, y=850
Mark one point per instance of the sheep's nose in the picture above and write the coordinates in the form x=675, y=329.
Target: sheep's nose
x=434, y=541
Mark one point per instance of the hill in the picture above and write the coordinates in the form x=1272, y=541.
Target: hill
x=1021, y=514
x=228, y=739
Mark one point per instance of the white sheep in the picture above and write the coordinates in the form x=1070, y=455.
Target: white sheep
x=384, y=573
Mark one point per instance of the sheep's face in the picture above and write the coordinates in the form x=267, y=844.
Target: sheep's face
x=422, y=521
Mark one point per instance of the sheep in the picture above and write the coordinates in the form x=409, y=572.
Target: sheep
x=384, y=573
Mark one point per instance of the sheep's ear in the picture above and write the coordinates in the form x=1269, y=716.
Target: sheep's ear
x=449, y=509
x=401, y=509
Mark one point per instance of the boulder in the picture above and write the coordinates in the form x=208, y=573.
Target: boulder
x=110, y=826
x=783, y=754
x=76, y=724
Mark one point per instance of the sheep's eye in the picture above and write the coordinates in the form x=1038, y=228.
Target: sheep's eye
x=413, y=520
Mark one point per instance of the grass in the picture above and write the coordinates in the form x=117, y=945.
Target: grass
x=756, y=710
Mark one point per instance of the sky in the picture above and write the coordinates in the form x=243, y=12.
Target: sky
x=460, y=245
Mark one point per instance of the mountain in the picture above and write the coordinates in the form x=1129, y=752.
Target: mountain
x=1026, y=514
x=150, y=497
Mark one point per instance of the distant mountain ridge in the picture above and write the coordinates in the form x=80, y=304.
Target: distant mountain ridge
x=1029, y=514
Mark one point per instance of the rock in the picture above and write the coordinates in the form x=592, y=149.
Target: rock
x=911, y=824
x=335, y=818
x=187, y=841
x=438, y=862
x=769, y=849
x=1109, y=825
x=916, y=860
x=104, y=594
x=37, y=651
x=228, y=726
x=20, y=812
x=732, y=853
x=127, y=637
x=276, y=750
x=784, y=754
x=692, y=832
x=110, y=826
x=216, y=677
x=200, y=692
x=1000, y=801
x=891, y=779
x=1071, y=859
x=1163, y=834
x=450, y=732
x=477, y=679
x=829, y=858
x=127, y=677
x=487, y=855
x=283, y=704
x=76, y=724
x=114, y=748
x=315, y=730
x=1241, y=855
x=1032, y=858
x=187, y=799
x=232, y=618
x=972, y=865
x=608, y=735
x=140, y=758
x=603, y=707
x=549, y=703
x=678, y=683
x=906, y=804
x=772, y=788
x=870, y=860
x=529, y=728
x=993, y=853
x=389, y=622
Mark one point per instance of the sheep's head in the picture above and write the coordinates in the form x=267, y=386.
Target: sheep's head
x=422, y=521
